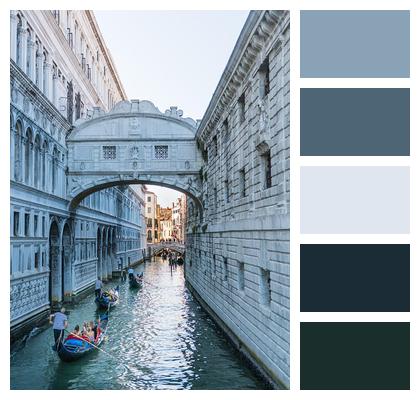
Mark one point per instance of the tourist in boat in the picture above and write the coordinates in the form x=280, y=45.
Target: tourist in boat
x=74, y=334
x=60, y=324
x=130, y=273
x=94, y=329
x=98, y=287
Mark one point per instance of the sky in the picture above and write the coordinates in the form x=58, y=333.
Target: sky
x=172, y=58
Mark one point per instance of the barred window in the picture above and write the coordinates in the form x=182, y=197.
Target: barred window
x=110, y=152
x=161, y=152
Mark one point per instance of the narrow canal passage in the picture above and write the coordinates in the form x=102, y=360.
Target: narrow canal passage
x=158, y=338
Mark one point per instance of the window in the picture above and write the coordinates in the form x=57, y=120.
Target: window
x=36, y=260
x=27, y=216
x=264, y=73
x=225, y=269
x=43, y=226
x=215, y=146
x=242, y=192
x=161, y=152
x=149, y=209
x=266, y=165
x=35, y=225
x=215, y=198
x=241, y=273
x=265, y=286
x=226, y=131
x=149, y=222
x=214, y=266
x=241, y=108
x=16, y=223
x=109, y=152
x=149, y=199
x=227, y=198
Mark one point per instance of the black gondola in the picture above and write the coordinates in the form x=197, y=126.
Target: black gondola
x=76, y=347
x=135, y=282
x=104, y=300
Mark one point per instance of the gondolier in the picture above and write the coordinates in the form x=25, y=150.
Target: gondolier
x=98, y=287
x=130, y=273
x=60, y=324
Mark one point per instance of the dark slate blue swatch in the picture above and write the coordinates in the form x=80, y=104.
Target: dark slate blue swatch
x=355, y=356
x=355, y=278
x=355, y=44
x=355, y=122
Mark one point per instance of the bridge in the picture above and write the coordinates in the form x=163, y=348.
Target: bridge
x=157, y=248
x=134, y=143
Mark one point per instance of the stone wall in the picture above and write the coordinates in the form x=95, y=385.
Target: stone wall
x=238, y=252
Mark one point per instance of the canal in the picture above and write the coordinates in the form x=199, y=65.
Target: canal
x=158, y=338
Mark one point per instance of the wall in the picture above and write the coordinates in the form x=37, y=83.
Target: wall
x=238, y=253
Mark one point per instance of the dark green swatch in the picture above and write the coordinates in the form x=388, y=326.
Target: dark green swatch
x=355, y=122
x=355, y=355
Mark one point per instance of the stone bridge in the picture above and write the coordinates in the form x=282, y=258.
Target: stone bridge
x=155, y=249
x=134, y=143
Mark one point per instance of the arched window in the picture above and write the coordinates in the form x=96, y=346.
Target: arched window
x=17, y=150
x=28, y=155
x=54, y=169
x=28, y=52
x=37, y=64
x=43, y=164
x=45, y=75
x=37, y=148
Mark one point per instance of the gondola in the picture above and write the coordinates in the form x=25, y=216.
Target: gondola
x=135, y=282
x=76, y=347
x=105, y=301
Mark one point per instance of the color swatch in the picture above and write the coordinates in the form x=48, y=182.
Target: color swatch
x=355, y=355
x=355, y=44
x=355, y=199
x=354, y=122
x=355, y=278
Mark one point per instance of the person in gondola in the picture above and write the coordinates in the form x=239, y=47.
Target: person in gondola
x=98, y=287
x=130, y=273
x=60, y=324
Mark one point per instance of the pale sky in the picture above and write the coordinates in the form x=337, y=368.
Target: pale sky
x=172, y=58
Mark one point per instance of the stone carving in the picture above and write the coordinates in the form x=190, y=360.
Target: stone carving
x=134, y=152
x=135, y=165
x=262, y=117
x=27, y=296
x=134, y=123
x=187, y=165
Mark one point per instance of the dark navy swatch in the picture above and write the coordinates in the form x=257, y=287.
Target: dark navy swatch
x=355, y=278
x=355, y=356
x=355, y=122
x=355, y=44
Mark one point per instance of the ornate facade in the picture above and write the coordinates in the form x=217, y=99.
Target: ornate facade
x=60, y=70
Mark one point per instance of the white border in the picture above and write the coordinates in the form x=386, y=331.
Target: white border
x=294, y=6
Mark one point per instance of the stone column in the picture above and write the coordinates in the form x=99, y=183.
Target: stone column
x=55, y=87
x=32, y=58
x=39, y=68
x=13, y=34
x=23, y=37
x=47, y=77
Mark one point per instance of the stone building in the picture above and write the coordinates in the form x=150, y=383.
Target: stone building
x=179, y=211
x=238, y=246
x=165, y=224
x=60, y=69
x=152, y=222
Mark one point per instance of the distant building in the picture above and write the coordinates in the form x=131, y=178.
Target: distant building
x=152, y=224
x=165, y=224
x=179, y=214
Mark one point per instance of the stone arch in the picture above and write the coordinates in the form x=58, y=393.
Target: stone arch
x=66, y=263
x=18, y=150
x=54, y=263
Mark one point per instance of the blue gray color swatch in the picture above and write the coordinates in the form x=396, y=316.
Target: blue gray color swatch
x=355, y=44
x=355, y=122
x=355, y=200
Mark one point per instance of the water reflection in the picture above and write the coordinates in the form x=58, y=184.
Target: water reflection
x=158, y=338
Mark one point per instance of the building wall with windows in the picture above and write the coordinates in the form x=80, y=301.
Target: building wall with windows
x=179, y=208
x=60, y=70
x=237, y=259
x=152, y=221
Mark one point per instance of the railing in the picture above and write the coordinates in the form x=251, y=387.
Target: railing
x=157, y=247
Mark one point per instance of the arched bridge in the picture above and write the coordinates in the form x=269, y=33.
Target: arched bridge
x=134, y=143
x=157, y=248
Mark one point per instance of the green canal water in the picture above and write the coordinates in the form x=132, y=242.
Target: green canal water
x=158, y=338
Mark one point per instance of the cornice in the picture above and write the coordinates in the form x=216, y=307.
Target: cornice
x=258, y=28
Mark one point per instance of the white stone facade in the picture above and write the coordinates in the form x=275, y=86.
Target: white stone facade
x=237, y=258
x=152, y=224
x=60, y=70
